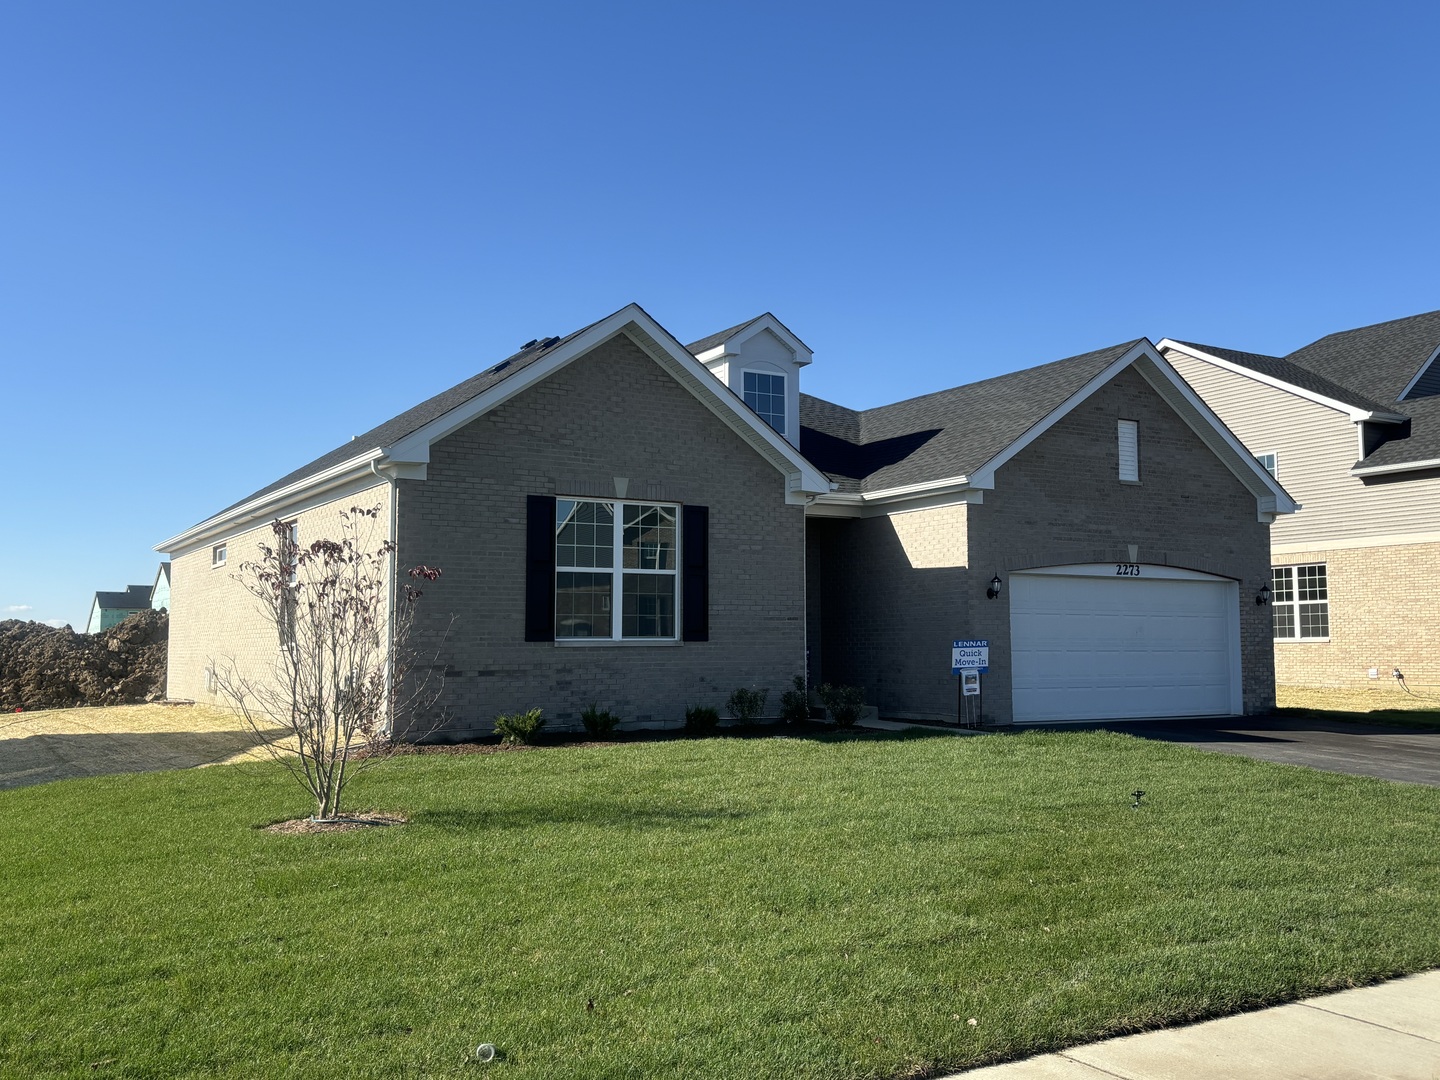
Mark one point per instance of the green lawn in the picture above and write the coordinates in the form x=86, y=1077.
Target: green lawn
x=732, y=908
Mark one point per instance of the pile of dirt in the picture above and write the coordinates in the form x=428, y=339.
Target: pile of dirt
x=45, y=668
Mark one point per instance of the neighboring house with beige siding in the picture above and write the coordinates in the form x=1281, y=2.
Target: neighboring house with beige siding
x=627, y=521
x=1350, y=426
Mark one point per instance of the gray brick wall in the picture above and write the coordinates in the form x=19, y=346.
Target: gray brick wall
x=896, y=590
x=612, y=413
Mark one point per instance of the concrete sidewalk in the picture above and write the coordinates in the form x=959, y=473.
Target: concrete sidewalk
x=1386, y=1032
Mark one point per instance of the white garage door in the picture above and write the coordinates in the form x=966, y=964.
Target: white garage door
x=1102, y=641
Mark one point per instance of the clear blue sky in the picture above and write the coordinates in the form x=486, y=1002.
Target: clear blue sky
x=233, y=235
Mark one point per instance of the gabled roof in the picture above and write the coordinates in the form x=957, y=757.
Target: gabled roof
x=413, y=419
x=1285, y=371
x=944, y=434
x=705, y=344
x=1356, y=371
x=135, y=597
x=1380, y=360
x=401, y=445
x=957, y=439
x=760, y=323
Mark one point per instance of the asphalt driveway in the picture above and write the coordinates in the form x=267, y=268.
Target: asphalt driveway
x=1361, y=749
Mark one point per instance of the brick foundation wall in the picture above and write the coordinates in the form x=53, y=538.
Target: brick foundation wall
x=1382, y=615
x=611, y=413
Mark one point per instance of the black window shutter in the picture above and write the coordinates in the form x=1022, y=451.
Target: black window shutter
x=695, y=597
x=539, y=568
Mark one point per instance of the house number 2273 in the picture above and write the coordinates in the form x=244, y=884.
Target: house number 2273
x=1127, y=569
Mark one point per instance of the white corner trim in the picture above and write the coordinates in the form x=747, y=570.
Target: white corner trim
x=1404, y=466
x=1354, y=413
x=1423, y=368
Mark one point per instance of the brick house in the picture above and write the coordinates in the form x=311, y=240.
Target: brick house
x=1350, y=425
x=629, y=521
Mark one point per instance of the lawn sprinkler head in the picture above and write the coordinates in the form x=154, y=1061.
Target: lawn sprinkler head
x=485, y=1053
x=1137, y=795
x=1397, y=676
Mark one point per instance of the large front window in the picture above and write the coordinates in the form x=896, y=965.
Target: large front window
x=596, y=561
x=1300, y=602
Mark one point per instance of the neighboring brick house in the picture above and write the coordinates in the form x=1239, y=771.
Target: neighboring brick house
x=628, y=521
x=1350, y=425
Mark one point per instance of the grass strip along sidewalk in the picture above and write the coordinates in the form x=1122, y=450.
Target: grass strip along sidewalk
x=877, y=906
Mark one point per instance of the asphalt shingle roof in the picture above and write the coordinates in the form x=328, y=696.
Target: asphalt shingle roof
x=1280, y=368
x=134, y=596
x=1376, y=360
x=396, y=428
x=1366, y=367
x=941, y=435
x=695, y=348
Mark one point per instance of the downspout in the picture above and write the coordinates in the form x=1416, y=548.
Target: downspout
x=390, y=599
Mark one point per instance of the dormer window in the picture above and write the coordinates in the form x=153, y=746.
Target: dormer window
x=765, y=394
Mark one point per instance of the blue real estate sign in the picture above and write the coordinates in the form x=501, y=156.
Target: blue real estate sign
x=970, y=654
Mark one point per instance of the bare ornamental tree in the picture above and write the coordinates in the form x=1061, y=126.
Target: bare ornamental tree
x=343, y=678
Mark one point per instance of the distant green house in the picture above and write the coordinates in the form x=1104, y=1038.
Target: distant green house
x=160, y=591
x=110, y=608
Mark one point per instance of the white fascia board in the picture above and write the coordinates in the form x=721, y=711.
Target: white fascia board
x=691, y=373
x=984, y=477
x=731, y=345
x=1404, y=466
x=1423, y=368
x=262, y=505
x=1355, y=413
x=1202, y=420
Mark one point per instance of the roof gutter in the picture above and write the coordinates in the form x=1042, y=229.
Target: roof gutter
x=1404, y=466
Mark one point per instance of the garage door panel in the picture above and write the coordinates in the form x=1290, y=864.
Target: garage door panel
x=1092, y=647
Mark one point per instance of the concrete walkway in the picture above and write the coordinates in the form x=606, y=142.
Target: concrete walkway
x=1385, y=1032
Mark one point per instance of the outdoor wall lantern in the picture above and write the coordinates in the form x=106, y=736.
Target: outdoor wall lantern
x=1263, y=596
x=994, y=590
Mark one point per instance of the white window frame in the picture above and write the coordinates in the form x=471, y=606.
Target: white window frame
x=1274, y=467
x=1296, y=602
x=784, y=397
x=618, y=572
x=1127, y=440
x=217, y=555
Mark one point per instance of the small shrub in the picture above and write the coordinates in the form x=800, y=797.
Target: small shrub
x=843, y=703
x=597, y=721
x=701, y=718
x=519, y=728
x=795, y=703
x=745, y=705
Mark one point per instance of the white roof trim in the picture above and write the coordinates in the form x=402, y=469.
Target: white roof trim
x=1404, y=466
x=1423, y=368
x=801, y=476
x=1270, y=497
x=731, y=345
x=411, y=453
x=255, y=507
x=1353, y=412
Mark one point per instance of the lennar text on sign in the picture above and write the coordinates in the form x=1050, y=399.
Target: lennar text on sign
x=969, y=653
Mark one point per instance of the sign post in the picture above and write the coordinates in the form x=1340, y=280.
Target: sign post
x=969, y=659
